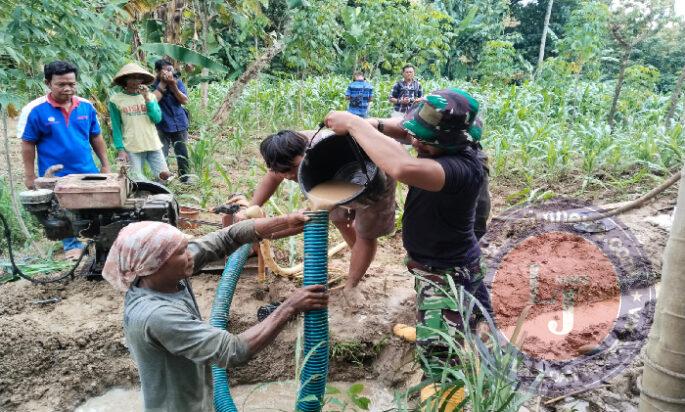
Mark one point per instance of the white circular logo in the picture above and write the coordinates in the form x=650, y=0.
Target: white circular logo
x=51, y=119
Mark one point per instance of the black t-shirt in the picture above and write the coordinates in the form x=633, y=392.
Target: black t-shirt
x=437, y=227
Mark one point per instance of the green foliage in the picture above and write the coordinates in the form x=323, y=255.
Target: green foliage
x=184, y=55
x=372, y=36
x=313, y=43
x=497, y=62
x=18, y=237
x=665, y=51
x=586, y=37
x=536, y=132
x=476, y=22
x=642, y=78
x=354, y=398
x=356, y=353
x=529, y=17
x=486, y=372
x=38, y=32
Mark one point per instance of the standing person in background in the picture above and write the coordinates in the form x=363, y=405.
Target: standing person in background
x=173, y=129
x=134, y=113
x=62, y=128
x=405, y=92
x=359, y=93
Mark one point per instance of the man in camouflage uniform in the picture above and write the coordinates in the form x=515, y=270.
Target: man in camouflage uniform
x=445, y=181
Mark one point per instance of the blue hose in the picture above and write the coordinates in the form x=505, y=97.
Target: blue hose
x=315, y=369
x=219, y=319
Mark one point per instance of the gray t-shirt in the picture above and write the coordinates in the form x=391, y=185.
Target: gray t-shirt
x=171, y=345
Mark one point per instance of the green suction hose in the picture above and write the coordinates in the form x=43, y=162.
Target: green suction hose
x=315, y=369
x=223, y=402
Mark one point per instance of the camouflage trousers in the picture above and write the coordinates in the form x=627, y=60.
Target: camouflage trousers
x=437, y=311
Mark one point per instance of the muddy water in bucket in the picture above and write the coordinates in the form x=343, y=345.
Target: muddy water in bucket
x=336, y=172
x=326, y=195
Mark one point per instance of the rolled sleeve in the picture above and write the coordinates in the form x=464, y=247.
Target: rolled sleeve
x=184, y=335
x=221, y=243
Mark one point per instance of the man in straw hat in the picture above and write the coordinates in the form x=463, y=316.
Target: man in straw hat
x=134, y=113
x=171, y=345
x=61, y=128
x=444, y=180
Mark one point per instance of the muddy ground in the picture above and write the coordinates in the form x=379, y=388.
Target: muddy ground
x=56, y=355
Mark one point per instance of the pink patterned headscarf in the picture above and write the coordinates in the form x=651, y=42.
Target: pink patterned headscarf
x=140, y=250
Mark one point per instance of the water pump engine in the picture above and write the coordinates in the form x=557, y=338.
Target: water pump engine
x=96, y=206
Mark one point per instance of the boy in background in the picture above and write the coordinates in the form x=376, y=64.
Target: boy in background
x=359, y=93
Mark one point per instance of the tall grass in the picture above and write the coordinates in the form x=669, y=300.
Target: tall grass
x=18, y=237
x=486, y=370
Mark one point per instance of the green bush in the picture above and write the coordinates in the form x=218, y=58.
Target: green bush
x=18, y=237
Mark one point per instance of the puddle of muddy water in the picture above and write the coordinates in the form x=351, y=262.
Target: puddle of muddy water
x=273, y=396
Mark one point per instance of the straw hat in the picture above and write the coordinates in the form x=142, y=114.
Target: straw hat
x=132, y=68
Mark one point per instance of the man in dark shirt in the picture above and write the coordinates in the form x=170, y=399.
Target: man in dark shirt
x=438, y=222
x=173, y=129
x=405, y=92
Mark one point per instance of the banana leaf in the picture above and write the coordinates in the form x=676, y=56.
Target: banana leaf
x=184, y=55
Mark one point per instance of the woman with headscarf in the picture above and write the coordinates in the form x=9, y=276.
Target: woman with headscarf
x=171, y=345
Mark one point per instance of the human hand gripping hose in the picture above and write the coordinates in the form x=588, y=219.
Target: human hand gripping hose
x=315, y=369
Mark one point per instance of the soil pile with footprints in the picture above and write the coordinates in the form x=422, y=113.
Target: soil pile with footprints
x=63, y=343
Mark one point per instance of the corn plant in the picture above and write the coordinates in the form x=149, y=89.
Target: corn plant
x=484, y=368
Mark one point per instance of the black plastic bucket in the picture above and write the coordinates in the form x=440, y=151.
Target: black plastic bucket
x=334, y=157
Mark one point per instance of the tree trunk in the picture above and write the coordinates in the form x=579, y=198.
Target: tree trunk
x=250, y=73
x=174, y=16
x=619, y=86
x=135, y=39
x=674, y=97
x=203, y=10
x=543, y=40
x=663, y=377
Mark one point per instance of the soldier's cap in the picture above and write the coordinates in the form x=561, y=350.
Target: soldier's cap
x=447, y=118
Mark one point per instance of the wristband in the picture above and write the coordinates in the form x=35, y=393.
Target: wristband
x=380, y=126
